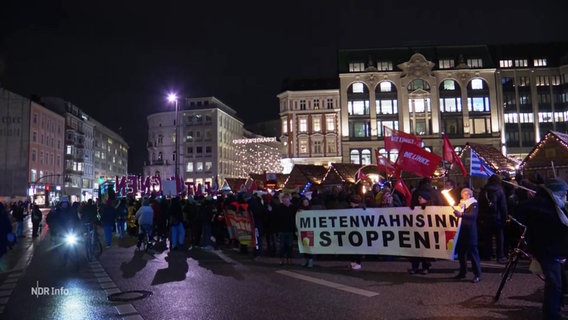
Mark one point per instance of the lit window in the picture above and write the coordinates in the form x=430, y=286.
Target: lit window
x=356, y=66
x=316, y=124
x=330, y=123
x=199, y=166
x=449, y=85
x=505, y=63
x=521, y=63
x=284, y=126
x=303, y=144
x=358, y=87
x=384, y=66
x=540, y=62
x=303, y=123
x=446, y=63
x=354, y=157
x=475, y=63
x=208, y=166
x=330, y=143
x=476, y=84
x=386, y=86
x=359, y=107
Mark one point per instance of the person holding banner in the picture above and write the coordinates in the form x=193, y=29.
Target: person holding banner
x=285, y=218
x=467, y=240
x=424, y=195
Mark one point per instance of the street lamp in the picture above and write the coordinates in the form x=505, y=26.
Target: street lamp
x=173, y=98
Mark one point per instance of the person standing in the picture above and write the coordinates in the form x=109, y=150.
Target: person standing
x=121, y=215
x=18, y=215
x=467, y=239
x=37, y=216
x=285, y=218
x=108, y=219
x=5, y=229
x=177, y=229
x=547, y=236
x=145, y=218
x=494, y=214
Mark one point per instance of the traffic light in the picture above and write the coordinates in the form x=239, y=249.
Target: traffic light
x=47, y=187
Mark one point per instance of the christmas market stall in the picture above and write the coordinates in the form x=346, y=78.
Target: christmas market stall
x=234, y=185
x=344, y=174
x=274, y=181
x=482, y=161
x=305, y=177
x=548, y=159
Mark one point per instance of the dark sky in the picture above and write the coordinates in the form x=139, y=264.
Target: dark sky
x=117, y=60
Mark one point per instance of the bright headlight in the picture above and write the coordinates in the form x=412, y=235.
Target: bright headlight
x=71, y=239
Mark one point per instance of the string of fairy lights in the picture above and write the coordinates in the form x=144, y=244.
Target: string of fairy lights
x=257, y=158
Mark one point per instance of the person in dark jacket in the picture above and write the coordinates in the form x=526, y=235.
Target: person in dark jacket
x=424, y=195
x=5, y=229
x=547, y=236
x=467, y=239
x=108, y=219
x=493, y=210
x=177, y=229
x=285, y=218
x=37, y=216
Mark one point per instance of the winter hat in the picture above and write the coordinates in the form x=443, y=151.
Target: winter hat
x=557, y=186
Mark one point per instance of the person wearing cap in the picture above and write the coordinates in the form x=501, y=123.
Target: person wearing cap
x=547, y=237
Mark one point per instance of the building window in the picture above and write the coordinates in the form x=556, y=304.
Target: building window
x=387, y=106
x=449, y=85
x=330, y=123
x=505, y=63
x=199, y=167
x=329, y=103
x=208, y=166
x=480, y=125
x=190, y=150
x=393, y=124
x=302, y=104
x=521, y=63
x=540, y=62
x=189, y=167
x=316, y=104
x=523, y=81
x=384, y=65
x=316, y=123
x=542, y=81
x=446, y=63
x=358, y=87
x=359, y=129
x=478, y=104
x=358, y=107
x=208, y=150
x=284, y=126
x=360, y=156
x=476, y=84
x=318, y=147
x=330, y=144
x=303, y=123
x=385, y=86
x=475, y=63
x=450, y=105
x=356, y=66
x=303, y=146
x=33, y=156
x=199, y=150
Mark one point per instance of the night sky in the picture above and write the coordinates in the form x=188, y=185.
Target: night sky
x=110, y=56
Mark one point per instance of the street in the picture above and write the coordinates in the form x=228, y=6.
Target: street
x=35, y=283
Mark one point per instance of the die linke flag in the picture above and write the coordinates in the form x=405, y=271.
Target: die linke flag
x=451, y=156
x=360, y=175
x=395, y=139
x=478, y=168
x=417, y=160
x=384, y=163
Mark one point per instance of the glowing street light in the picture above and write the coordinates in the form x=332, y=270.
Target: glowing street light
x=173, y=98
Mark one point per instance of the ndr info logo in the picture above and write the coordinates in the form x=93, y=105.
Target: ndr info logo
x=48, y=291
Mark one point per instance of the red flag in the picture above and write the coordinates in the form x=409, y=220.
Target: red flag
x=360, y=175
x=417, y=160
x=401, y=187
x=395, y=139
x=384, y=163
x=451, y=155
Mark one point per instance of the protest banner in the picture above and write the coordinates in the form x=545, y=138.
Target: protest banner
x=240, y=224
x=401, y=231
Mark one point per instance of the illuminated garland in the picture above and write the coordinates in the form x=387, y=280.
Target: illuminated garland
x=256, y=159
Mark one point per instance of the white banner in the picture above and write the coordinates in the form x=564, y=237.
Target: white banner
x=429, y=233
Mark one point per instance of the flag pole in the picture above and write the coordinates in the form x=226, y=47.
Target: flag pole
x=446, y=171
x=470, y=166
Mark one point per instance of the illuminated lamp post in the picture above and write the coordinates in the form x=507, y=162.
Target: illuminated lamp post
x=173, y=98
